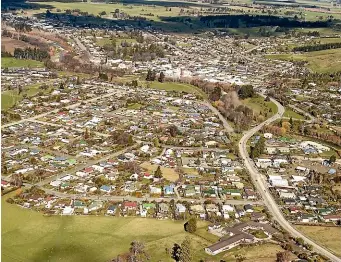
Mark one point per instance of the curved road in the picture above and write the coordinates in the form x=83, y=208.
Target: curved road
x=262, y=188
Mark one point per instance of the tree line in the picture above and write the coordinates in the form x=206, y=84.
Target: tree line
x=31, y=53
x=317, y=47
x=237, y=21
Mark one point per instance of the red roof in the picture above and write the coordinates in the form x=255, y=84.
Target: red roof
x=130, y=204
x=88, y=169
x=4, y=182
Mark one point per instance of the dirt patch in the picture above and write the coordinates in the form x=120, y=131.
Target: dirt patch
x=167, y=173
x=9, y=44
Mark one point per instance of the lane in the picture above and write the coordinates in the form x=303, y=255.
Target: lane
x=261, y=185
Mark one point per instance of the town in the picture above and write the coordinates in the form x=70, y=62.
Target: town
x=213, y=135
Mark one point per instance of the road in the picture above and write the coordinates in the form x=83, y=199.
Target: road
x=58, y=109
x=262, y=188
x=226, y=125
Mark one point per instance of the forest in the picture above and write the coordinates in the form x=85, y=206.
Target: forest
x=238, y=21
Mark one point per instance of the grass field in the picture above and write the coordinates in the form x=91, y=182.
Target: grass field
x=178, y=87
x=10, y=97
x=13, y=62
x=104, y=41
x=258, y=105
x=131, y=9
x=289, y=113
x=29, y=236
x=329, y=237
x=319, y=61
x=167, y=173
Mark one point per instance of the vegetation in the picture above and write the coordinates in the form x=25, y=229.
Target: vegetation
x=258, y=148
x=191, y=225
x=319, y=61
x=13, y=62
x=292, y=114
x=316, y=47
x=326, y=236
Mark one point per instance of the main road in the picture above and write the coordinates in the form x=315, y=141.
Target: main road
x=263, y=190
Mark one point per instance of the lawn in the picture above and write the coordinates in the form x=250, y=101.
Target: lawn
x=319, y=61
x=167, y=173
x=289, y=113
x=258, y=105
x=13, y=62
x=178, y=87
x=327, y=236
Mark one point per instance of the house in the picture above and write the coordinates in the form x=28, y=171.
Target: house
x=212, y=208
x=111, y=210
x=155, y=190
x=68, y=210
x=163, y=208
x=239, y=235
x=180, y=208
x=129, y=205
x=95, y=205
x=248, y=208
x=331, y=218
x=169, y=189
x=105, y=189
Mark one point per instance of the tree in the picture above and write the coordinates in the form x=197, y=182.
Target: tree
x=246, y=91
x=332, y=159
x=283, y=256
x=158, y=172
x=134, y=83
x=151, y=75
x=137, y=252
x=291, y=122
x=156, y=142
x=186, y=252
x=176, y=252
x=161, y=77
x=173, y=130
x=191, y=225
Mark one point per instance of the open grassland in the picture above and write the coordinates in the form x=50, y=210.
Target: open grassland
x=30, y=236
x=178, y=87
x=167, y=173
x=289, y=113
x=108, y=41
x=131, y=9
x=329, y=237
x=319, y=61
x=13, y=62
x=258, y=105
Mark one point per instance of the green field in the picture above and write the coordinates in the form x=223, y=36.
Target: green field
x=13, y=62
x=258, y=105
x=31, y=236
x=131, y=9
x=319, y=61
x=10, y=97
x=178, y=87
x=105, y=41
x=289, y=113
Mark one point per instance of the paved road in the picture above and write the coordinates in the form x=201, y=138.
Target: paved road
x=226, y=125
x=262, y=188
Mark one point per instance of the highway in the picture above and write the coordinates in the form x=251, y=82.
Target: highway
x=261, y=185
